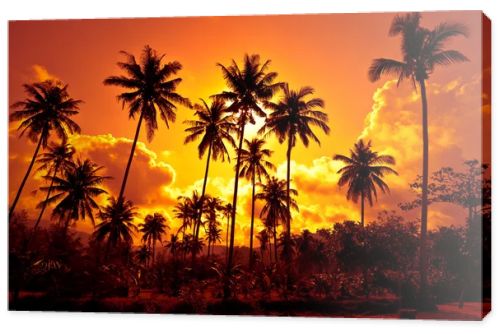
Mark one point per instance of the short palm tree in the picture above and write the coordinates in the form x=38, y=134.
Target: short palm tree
x=150, y=90
x=192, y=205
x=363, y=173
x=263, y=238
x=227, y=212
x=48, y=109
x=212, y=213
x=214, y=125
x=294, y=116
x=59, y=157
x=422, y=50
x=153, y=229
x=254, y=167
x=183, y=210
x=116, y=223
x=249, y=87
x=173, y=245
x=275, y=195
x=75, y=192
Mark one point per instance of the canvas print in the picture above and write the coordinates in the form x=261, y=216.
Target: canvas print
x=333, y=165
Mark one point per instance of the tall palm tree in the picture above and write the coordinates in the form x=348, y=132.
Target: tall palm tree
x=75, y=192
x=153, y=229
x=116, y=223
x=150, y=89
x=254, y=166
x=249, y=87
x=422, y=50
x=47, y=109
x=214, y=125
x=59, y=157
x=363, y=172
x=277, y=202
x=292, y=117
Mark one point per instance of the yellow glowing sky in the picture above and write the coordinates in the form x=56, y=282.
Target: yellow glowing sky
x=328, y=52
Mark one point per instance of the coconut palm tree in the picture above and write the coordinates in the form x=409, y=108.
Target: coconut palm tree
x=153, y=229
x=422, y=50
x=363, y=173
x=213, y=237
x=183, y=210
x=294, y=116
x=214, y=125
x=249, y=87
x=116, y=223
x=59, y=157
x=275, y=195
x=150, y=89
x=75, y=192
x=263, y=238
x=212, y=212
x=254, y=167
x=47, y=109
x=227, y=212
x=173, y=245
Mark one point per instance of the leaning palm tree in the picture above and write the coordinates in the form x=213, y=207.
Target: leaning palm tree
x=75, y=192
x=292, y=117
x=150, y=90
x=48, y=109
x=422, y=50
x=153, y=229
x=249, y=87
x=116, y=223
x=59, y=157
x=275, y=195
x=363, y=173
x=254, y=167
x=214, y=125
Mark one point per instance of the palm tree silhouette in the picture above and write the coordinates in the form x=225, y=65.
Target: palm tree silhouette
x=59, y=157
x=254, y=166
x=215, y=126
x=422, y=50
x=249, y=87
x=75, y=192
x=173, y=245
x=150, y=90
x=183, y=210
x=212, y=212
x=263, y=238
x=116, y=223
x=363, y=173
x=227, y=212
x=278, y=200
x=290, y=118
x=153, y=229
x=48, y=109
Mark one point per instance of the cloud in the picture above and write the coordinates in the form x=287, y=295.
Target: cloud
x=42, y=74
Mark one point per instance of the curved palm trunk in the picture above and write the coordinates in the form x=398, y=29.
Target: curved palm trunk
x=23, y=182
x=233, y=214
x=202, y=198
x=129, y=163
x=250, y=261
x=425, y=176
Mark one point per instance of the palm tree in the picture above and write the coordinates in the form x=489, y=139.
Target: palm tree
x=48, y=109
x=59, y=157
x=214, y=125
x=275, y=194
x=422, y=50
x=213, y=236
x=293, y=117
x=116, y=223
x=75, y=192
x=174, y=244
x=249, y=87
x=150, y=90
x=263, y=238
x=153, y=229
x=213, y=207
x=254, y=166
x=363, y=173
x=183, y=210
x=227, y=212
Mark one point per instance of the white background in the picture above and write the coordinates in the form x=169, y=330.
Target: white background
x=49, y=322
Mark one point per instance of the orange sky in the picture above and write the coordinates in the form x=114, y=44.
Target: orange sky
x=328, y=52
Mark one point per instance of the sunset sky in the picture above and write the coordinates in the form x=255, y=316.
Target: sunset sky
x=331, y=53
